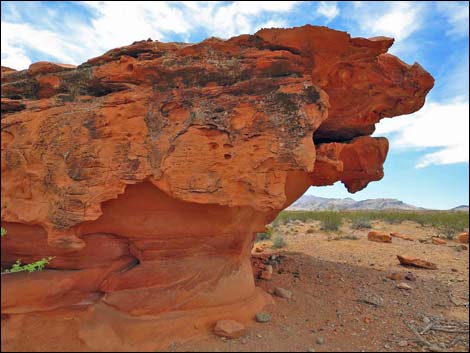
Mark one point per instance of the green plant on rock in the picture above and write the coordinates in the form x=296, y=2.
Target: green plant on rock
x=32, y=267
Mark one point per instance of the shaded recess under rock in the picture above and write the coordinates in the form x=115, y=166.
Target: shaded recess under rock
x=148, y=171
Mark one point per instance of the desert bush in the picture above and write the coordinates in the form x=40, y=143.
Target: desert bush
x=265, y=235
x=331, y=221
x=3, y=231
x=345, y=237
x=438, y=219
x=361, y=223
x=278, y=241
x=449, y=231
x=310, y=231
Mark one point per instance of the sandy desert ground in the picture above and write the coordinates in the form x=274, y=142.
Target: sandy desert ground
x=343, y=298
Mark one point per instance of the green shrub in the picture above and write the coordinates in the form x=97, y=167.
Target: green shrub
x=345, y=237
x=278, y=241
x=265, y=235
x=32, y=267
x=438, y=219
x=361, y=223
x=331, y=221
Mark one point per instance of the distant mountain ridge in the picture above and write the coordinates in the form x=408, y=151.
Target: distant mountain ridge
x=463, y=208
x=315, y=203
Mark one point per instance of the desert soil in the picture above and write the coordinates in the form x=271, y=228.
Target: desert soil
x=343, y=299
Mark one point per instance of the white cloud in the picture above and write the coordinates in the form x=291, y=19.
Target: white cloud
x=397, y=19
x=439, y=125
x=274, y=23
x=329, y=9
x=115, y=24
x=456, y=13
x=16, y=38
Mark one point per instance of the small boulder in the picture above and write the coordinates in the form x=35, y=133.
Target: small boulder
x=415, y=262
x=379, y=237
x=263, y=317
x=438, y=241
x=463, y=238
x=320, y=340
x=283, y=293
x=395, y=276
x=402, y=236
x=229, y=329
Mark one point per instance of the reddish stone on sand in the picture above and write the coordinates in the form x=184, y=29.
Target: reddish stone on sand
x=229, y=329
x=463, y=237
x=438, y=241
x=415, y=262
x=402, y=236
x=395, y=276
x=379, y=237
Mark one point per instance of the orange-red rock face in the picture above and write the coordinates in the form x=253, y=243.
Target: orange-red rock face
x=148, y=171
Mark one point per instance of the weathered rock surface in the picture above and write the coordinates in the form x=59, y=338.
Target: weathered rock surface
x=229, y=329
x=379, y=237
x=463, y=237
x=402, y=236
x=148, y=171
x=415, y=262
x=438, y=241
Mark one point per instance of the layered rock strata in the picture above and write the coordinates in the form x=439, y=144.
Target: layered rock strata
x=147, y=172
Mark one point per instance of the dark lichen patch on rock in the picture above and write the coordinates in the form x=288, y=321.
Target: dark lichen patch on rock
x=311, y=94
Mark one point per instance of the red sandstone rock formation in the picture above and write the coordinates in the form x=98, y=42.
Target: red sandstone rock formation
x=148, y=171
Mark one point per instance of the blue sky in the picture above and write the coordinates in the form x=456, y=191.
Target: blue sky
x=429, y=151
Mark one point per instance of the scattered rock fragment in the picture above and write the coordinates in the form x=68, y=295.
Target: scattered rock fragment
x=395, y=276
x=463, y=237
x=461, y=248
x=402, y=236
x=410, y=277
x=438, y=241
x=229, y=329
x=320, y=340
x=403, y=343
x=379, y=237
x=263, y=317
x=415, y=262
x=371, y=299
x=283, y=293
x=265, y=275
x=269, y=268
x=403, y=285
x=258, y=249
